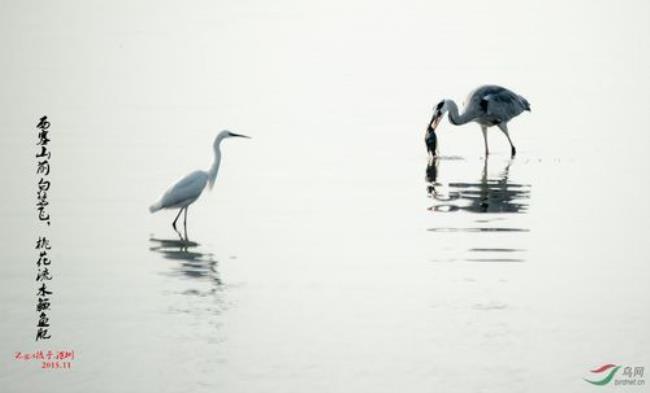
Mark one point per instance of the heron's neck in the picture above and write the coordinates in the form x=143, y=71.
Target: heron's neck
x=455, y=117
x=212, y=173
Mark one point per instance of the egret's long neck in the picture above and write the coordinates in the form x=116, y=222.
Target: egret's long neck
x=212, y=173
x=455, y=117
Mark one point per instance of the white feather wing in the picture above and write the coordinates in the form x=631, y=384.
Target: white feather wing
x=184, y=191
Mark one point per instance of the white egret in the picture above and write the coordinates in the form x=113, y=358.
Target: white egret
x=488, y=105
x=188, y=189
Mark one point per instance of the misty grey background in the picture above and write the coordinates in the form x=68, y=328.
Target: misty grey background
x=320, y=267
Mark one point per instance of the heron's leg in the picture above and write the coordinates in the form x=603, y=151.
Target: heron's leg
x=185, y=223
x=485, y=188
x=504, y=128
x=484, y=130
x=174, y=223
x=485, y=171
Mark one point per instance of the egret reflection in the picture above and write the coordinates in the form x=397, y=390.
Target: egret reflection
x=191, y=262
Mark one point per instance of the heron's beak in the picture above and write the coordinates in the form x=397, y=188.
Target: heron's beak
x=435, y=121
x=240, y=135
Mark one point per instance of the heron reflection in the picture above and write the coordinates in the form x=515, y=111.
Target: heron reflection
x=487, y=195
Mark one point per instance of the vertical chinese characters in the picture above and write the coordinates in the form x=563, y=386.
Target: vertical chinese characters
x=43, y=264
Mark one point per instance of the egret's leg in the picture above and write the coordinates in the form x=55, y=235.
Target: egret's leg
x=484, y=130
x=185, y=223
x=174, y=223
x=504, y=128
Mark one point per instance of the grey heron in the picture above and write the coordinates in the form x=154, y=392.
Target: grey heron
x=188, y=189
x=488, y=105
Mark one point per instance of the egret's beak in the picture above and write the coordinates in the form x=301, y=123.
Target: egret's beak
x=240, y=135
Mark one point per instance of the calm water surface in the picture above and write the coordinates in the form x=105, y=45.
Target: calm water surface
x=331, y=256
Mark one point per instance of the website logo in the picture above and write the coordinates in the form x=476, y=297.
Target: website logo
x=607, y=373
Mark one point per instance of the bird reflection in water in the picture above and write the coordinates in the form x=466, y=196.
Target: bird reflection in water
x=191, y=263
x=194, y=290
x=487, y=195
x=490, y=194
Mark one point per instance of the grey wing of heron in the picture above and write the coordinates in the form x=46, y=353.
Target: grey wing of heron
x=499, y=103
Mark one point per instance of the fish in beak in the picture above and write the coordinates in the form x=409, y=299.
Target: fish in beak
x=430, y=138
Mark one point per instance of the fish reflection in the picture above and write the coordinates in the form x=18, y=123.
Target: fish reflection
x=191, y=263
x=432, y=177
x=487, y=195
